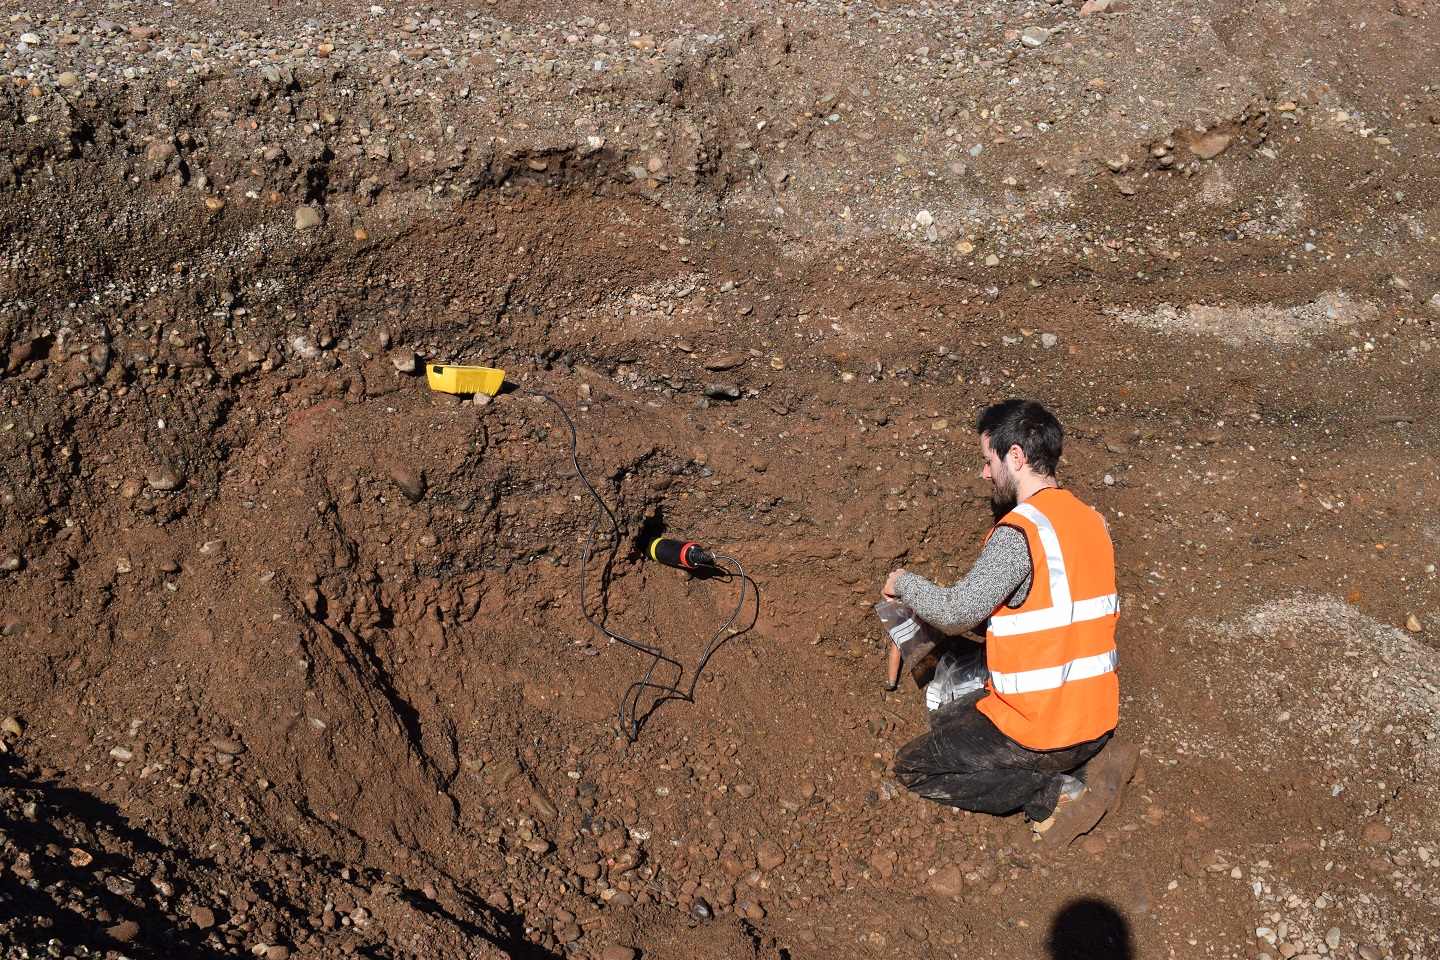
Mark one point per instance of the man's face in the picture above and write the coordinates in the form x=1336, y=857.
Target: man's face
x=1005, y=494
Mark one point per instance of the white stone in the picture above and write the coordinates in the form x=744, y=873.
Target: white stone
x=1034, y=37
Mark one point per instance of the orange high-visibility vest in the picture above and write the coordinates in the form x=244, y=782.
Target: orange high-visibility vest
x=1052, y=660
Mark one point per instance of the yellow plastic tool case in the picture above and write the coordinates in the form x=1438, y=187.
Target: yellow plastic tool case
x=451, y=379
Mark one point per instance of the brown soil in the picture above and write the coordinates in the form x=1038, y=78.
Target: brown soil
x=296, y=656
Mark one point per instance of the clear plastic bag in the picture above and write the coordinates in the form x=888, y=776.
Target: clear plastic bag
x=959, y=664
x=958, y=672
x=913, y=636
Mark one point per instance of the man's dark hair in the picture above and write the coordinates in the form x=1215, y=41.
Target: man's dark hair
x=1026, y=424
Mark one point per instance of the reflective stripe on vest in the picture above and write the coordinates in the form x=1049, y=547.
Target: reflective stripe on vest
x=1062, y=612
x=1049, y=678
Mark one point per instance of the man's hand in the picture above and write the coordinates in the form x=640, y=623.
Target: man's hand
x=888, y=591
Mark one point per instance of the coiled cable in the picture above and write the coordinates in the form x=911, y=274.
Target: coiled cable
x=630, y=715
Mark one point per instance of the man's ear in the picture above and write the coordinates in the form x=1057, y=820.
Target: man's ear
x=1015, y=458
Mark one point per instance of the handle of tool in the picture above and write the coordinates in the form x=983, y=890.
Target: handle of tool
x=678, y=553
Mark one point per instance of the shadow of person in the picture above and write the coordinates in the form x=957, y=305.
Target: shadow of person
x=1089, y=929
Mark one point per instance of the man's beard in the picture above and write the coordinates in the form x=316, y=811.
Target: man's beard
x=1004, y=496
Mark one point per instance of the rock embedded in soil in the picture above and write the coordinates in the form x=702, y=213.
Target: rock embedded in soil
x=228, y=746
x=165, y=478
x=543, y=804
x=410, y=482
x=308, y=217
x=946, y=882
x=1376, y=833
x=722, y=391
x=769, y=856
x=1033, y=37
x=1211, y=146
x=613, y=841
x=615, y=952
x=124, y=931
x=727, y=362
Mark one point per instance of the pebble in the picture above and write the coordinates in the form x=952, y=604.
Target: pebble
x=307, y=217
x=768, y=856
x=1376, y=833
x=1413, y=624
x=1048, y=340
x=613, y=841
x=946, y=882
x=124, y=931
x=13, y=726
x=1033, y=37
x=228, y=746
x=1332, y=938
x=701, y=909
x=33, y=39
x=544, y=805
x=165, y=478
x=404, y=361
x=614, y=952
x=722, y=391
x=67, y=79
x=1211, y=146
x=916, y=932
x=726, y=362
x=410, y=482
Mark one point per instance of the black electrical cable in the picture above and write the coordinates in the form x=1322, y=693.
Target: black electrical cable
x=630, y=703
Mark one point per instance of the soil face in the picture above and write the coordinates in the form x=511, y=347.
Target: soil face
x=298, y=655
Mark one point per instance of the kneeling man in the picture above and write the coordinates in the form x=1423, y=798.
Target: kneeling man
x=1038, y=736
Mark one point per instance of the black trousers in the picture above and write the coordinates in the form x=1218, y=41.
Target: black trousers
x=966, y=762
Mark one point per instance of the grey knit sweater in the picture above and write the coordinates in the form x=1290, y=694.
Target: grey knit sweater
x=1002, y=574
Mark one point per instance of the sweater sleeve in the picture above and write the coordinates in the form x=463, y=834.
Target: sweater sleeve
x=1001, y=574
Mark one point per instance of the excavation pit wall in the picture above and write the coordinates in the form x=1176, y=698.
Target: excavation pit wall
x=224, y=469
x=302, y=642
